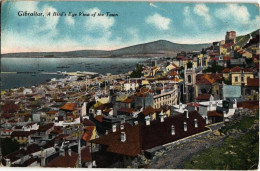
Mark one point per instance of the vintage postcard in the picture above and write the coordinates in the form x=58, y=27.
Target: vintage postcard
x=130, y=84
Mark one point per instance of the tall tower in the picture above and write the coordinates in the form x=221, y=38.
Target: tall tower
x=230, y=37
x=190, y=81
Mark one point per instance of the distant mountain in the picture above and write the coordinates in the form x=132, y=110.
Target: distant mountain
x=151, y=49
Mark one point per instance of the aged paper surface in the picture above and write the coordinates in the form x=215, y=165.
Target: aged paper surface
x=130, y=84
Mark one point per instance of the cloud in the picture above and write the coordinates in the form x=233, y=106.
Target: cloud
x=203, y=11
x=187, y=16
x=29, y=6
x=237, y=17
x=98, y=22
x=235, y=12
x=158, y=21
x=50, y=21
x=69, y=20
x=14, y=42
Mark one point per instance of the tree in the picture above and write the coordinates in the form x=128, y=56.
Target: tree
x=214, y=68
x=137, y=73
x=203, y=51
x=9, y=145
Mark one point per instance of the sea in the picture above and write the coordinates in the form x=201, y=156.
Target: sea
x=43, y=67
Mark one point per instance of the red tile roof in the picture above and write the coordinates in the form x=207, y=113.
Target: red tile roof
x=173, y=73
x=22, y=133
x=208, y=79
x=9, y=108
x=99, y=118
x=43, y=128
x=253, y=82
x=64, y=161
x=6, y=115
x=148, y=111
x=227, y=58
x=128, y=100
x=22, y=152
x=126, y=110
x=235, y=69
x=69, y=106
x=226, y=70
x=141, y=137
x=193, y=104
x=87, y=122
x=203, y=97
x=248, y=104
x=88, y=132
x=131, y=147
x=214, y=113
x=86, y=155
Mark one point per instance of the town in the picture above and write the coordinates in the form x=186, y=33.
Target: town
x=129, y=120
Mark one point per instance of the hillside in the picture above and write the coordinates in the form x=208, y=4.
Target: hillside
x=156, y=48
x=242, y=40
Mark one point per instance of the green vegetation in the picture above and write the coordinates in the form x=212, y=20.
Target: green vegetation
x=237, y=153
x=249, y=61
x=254, y=33
x=214, y=68
x=9, y=145
x=137, y=73
x=245, y=123
x=241, y=40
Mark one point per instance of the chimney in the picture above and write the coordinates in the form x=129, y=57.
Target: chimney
x=123, y=137
x=147, y=120
x=206, y=119
x=196, y=123
x=123, y=120
x=69, y=152
x=94, y=163
x=7, y=162
x=62, y=152
x=185, y=126
x=114, y=128
x=210, y=106
x=161, y=116
x=121, y=127
x=42, y=158
x=186, y=113
x=172, y=130
x=180, y=106
x=224, y=114
x=234, y=104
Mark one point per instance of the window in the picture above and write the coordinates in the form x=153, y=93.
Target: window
x=242, y=79
x=189, y=78
x=236, y=79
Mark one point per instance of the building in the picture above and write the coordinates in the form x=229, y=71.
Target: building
x=208, y=84
x=168, y=95
x=251, y=90
x=120, y=148
x=237, y=75
x=68, y=159
x=230, y=37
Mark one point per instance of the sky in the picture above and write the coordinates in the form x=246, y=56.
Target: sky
x=137, y=22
